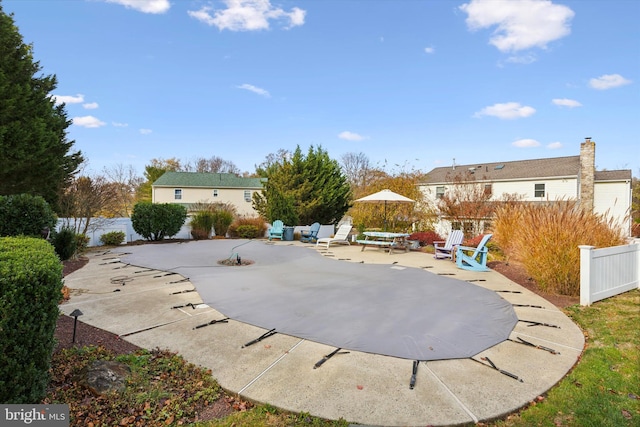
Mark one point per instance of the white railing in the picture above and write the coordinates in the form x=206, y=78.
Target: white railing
x=607, y=272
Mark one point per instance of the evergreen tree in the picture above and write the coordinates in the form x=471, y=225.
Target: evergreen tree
x=309, y=188
x=35, y=155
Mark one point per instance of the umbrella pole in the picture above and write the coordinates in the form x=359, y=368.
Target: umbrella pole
x=384, y=222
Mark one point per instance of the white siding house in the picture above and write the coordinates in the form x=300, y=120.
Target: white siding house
x=187, y=188
x=551, y=179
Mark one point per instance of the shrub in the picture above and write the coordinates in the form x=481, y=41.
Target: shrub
x=221, y=222
x=248, y=231
x=426, y=238
x=25, y=215
x=82, y=243
x=544, y=238
x=201, y=224
x=156, y=221
x=65, y=243
x=112, y=238
x=30, y=286
x=256, y=222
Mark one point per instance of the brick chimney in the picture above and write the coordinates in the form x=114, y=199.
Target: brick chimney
x=587, y=173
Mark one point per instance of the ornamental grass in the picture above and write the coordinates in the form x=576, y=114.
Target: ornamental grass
x=544, y=238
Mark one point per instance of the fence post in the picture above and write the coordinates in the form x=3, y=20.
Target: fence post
x=586, y=256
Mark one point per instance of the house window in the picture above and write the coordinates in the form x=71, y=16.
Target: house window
x=439, y=192
x=215, y=193
x=488, y=190
x=177, y=194
x=456, y=225
x=539, y=190
x=247, y=195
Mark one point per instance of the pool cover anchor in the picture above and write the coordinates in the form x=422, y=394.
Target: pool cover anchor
x=530, y=344
x=534, y=323
x=328, y=356
x=213, y=322
x=261, y=337
x=503, y=372
x=414, y=373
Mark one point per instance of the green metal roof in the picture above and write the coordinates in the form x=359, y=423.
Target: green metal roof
x=208, y=180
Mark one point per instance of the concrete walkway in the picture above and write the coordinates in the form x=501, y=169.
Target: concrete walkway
x=152, y=308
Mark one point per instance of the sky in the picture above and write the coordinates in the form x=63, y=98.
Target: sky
x=412, y=84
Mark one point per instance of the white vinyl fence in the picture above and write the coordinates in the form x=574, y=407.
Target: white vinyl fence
x=100, y=226
x=607, y=272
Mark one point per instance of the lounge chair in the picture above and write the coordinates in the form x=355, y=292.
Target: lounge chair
x=277, y=230
x=447, y=249
x=310, y=235
x=473, y=259
x=341, y=236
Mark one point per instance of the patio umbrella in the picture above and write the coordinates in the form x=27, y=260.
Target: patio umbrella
x=385, y=196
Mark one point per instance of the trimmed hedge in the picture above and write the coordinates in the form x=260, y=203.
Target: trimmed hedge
x=30, y=287
x=113, y=238
x=155, y=221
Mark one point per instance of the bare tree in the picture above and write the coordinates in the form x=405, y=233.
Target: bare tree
x=356, y=167
x=125, y=182
x=213, y=164
x=85, y=199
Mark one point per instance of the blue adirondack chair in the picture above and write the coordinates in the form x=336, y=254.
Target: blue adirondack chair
x=277, y=230
x=473, y=259
x=446, y=251
x=310, y=235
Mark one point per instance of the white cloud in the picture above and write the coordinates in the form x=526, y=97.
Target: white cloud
x=522, y=59
x=350, y=136
x=145, y=131
x=119, y=125
x=68, y=99
x=554, y=145
x=254, y=89
x=509, y=110
x=429, y=50
x=525, y=143
x=521, y=24
x=88, y=122
x=564, y=102
x=145, y=6
x=248, y=15
x=608, y=81
x=90, y=105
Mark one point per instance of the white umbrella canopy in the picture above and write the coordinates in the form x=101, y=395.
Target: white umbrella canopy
x=385, y=196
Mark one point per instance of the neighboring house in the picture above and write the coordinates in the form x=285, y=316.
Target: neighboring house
x=187, y=188
x=552, y=179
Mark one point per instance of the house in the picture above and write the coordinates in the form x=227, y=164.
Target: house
x=541, y=180
x=187, y=188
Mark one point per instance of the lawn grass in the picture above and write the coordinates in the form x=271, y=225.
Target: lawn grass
x=603, y=389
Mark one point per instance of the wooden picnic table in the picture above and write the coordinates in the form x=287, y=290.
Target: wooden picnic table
x=384, y=240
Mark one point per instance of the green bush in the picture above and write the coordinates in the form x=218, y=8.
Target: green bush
x=30, y=288
x=221, y=222
x=112, y=238
x=25, y=215
x=248, y=231
x=257, y=222
x=155, y=221
x=82, y=243
x=65, y=242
